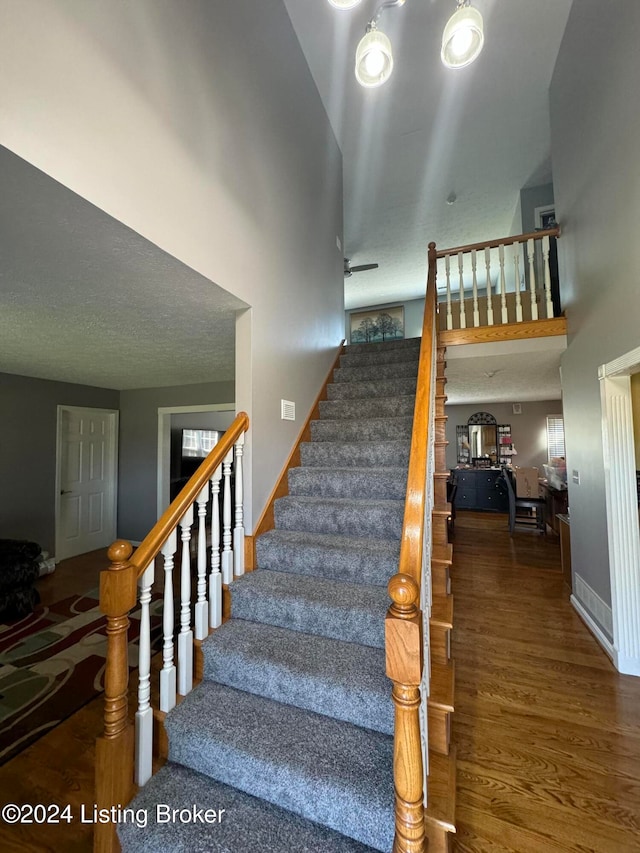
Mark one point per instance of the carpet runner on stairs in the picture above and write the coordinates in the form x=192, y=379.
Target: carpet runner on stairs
x=290, y=731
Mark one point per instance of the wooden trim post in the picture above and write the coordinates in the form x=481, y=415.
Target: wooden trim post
x=403, y=643
x=115, y=748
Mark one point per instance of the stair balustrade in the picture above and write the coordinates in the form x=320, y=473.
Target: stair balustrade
x=508, y=280
x=407, y=622
x=124, y=753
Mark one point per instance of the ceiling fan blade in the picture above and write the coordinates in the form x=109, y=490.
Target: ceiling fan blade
x=362, y=267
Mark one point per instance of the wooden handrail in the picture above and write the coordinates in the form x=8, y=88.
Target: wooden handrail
x=493, y=244
x=167, y=522
x=413, y=524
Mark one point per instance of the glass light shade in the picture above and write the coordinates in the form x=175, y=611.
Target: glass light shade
x=463, y=37
x=344, y=4
x=374, y=60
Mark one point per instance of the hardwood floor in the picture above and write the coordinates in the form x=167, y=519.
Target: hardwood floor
x=547, y=733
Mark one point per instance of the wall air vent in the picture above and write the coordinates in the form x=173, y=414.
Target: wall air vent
x=287, y=410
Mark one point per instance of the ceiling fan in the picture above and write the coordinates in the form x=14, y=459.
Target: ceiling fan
x=348, y=269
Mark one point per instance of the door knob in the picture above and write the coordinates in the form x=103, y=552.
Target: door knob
x=65, y=491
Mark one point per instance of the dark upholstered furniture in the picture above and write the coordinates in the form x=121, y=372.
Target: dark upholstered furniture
x=19, y=571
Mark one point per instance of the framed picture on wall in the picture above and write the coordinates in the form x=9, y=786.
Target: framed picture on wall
x=377, y=325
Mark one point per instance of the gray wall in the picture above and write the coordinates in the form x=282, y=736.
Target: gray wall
x=531, y=198
x=199, y=126
x=595, y=133
x=528, y=430
x=28, y=425
x=138, y=465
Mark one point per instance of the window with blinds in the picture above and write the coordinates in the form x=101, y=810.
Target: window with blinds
x=555, y=436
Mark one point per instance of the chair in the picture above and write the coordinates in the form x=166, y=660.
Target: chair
x=539, y=505
x=452, y=488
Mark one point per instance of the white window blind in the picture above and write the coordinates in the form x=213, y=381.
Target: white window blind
x=555, y=436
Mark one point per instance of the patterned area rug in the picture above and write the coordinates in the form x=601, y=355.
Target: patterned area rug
x=51, y=664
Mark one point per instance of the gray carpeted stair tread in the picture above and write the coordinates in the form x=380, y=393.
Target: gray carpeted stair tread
x=345, y=681
x=362, y=429
x=394, y=405
x=248, y=824
x=387, y=483
x=371, y=388
x=339, y=558
x=375, y=372
x=381, y=519
x=356, y=454
x=351, y=612
x=386, y=346
x=326, y=770
x=393, y=356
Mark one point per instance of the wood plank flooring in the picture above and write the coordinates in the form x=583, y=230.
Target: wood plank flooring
x=547, y=733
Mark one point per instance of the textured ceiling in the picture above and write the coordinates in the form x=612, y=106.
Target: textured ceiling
x=481, y=132
x=85, y=299
x=505, y=372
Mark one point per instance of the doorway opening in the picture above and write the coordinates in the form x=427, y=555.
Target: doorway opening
x=623, y=530
x=172, y=420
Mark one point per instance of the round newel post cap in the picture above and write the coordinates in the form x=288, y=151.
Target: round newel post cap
x=120, y=551
x=404, y=591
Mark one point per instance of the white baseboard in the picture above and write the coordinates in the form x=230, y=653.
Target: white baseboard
x=595, y=629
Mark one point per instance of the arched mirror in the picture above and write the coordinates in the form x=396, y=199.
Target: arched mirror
x=483, y=436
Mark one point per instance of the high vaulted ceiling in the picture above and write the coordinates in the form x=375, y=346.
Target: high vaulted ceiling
x=480, y=132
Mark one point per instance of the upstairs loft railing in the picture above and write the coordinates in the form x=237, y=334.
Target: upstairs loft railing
x=407, y=623
x=124, y=752
x=510, y=280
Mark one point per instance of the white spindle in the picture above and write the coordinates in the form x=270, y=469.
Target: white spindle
x=227, y=553
x=185, y=637
x=487, y=263
x=168, y=671
x=201, y=613
x=516, y=275
x=503, y=286
x=531, y=254
x=463, y=316
x=476, y=312
x=238, y=531
x=144, y=714
x=547, y=275
x=447, y=270
x=215, y=578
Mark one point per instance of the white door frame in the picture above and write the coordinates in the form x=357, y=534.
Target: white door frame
x=164, y=444
x=113, y=469
x=622, y=508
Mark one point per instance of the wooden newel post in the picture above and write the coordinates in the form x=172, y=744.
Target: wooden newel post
x=115, y=748
x=403, y=643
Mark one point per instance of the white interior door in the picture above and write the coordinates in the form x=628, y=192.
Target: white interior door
x=86, y=481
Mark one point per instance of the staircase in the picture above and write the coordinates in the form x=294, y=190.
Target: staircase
x=290, y=731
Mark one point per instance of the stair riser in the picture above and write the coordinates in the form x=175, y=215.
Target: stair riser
x=440, y=580
x=363, y=359
x=378, y=429
x=378, y=521
x=343, y=681
x=375, y=372
x=380, y=483
x=387, y=346
x=356, y=455
x=363, y=390
x=312, y=617
x=440, y=643
x=382, y=407
x=352, y=566
x=439, y=728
